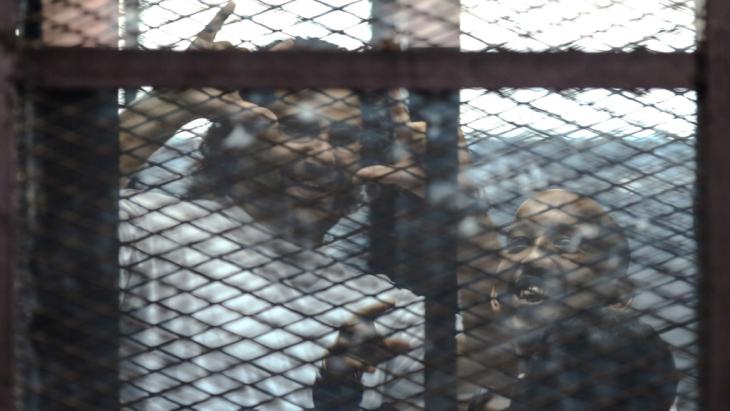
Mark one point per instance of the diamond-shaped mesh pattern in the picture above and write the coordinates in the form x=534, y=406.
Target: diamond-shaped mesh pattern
x=315, y=249
x=523, y=25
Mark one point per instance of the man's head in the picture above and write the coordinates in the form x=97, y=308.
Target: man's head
x=565, y=256
x=301, y=181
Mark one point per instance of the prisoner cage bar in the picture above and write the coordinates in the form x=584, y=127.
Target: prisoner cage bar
x=131, y=36
x=607, y=70
x=8, y=13
x=438, y=264
x=418, y=69
x=714, y=230
x=7, y=236
x=77, y=215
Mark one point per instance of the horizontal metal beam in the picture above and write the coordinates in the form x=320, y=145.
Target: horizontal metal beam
x=433, y=69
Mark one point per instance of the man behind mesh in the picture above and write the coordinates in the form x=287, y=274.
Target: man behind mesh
x=230, y=299
x=566, y=305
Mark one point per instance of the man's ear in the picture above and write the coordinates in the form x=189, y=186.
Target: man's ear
x=624, y=293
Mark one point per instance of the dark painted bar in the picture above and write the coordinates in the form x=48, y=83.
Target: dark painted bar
x=70, y=248
x=8, y=197
x=72, y=251
x=436, y=264
x=427, y=69
x=8, y=249
x=714, y=149
x=8, y=22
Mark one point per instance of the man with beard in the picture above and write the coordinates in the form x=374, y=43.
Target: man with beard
x=565, y=305
x=231, y=300
x=229, y=297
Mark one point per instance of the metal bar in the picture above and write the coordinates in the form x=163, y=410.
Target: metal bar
x=8, y=22
x=434, y=69
x=72, y=247
x=8, y=251
x=377, y=144
x=73, y=250
x=437, y=230
x=378, y=141
x=131, y=23
x=131, y=38
x=435, y=23
x=714, y=148
x=8, y=174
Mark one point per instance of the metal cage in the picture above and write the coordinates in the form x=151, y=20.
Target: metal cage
x=69, y=68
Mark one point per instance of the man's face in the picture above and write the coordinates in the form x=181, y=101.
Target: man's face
x=319, y=152
x=562, y=254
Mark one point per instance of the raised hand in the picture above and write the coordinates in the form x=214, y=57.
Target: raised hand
x=211, y=102
x=205, y=40
x=150, y=121
x=406, y=171
x=359, y=348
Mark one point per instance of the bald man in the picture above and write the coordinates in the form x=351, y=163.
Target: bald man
x=564, y=254
x=564, y=293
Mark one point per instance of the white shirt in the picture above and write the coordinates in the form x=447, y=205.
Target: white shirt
x=220, y=314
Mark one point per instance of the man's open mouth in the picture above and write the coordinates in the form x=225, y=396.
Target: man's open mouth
x=529, y=291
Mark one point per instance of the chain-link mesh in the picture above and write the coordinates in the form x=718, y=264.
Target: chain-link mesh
x=336, y=249
x=524, y=25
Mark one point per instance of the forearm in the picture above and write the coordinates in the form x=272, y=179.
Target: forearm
x=145, y=126
x=149, y=122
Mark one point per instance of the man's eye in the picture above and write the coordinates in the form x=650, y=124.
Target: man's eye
x=342, y=134
x=300, y=129
x=517, y=244
x=568, y=244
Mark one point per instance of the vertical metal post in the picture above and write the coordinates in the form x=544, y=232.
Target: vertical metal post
x=131, y=37
x=714, y=149
x=377, y=144
x=8, y=23
x=435, y=23
x=72, y=247
x=438, y=262
x=7, y=238
x=73, y=251
x=7, y=245
x=418, y=246
x=8, y=173
x=382, y=231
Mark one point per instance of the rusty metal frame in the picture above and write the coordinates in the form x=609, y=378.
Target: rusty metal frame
x=421, y=69
x=714, y=229
x=8, y=251
x=7, y=238
x=427, y=69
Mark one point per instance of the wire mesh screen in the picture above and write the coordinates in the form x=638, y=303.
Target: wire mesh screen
x=534, y=25
x=332, y=249
x=632, y=152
